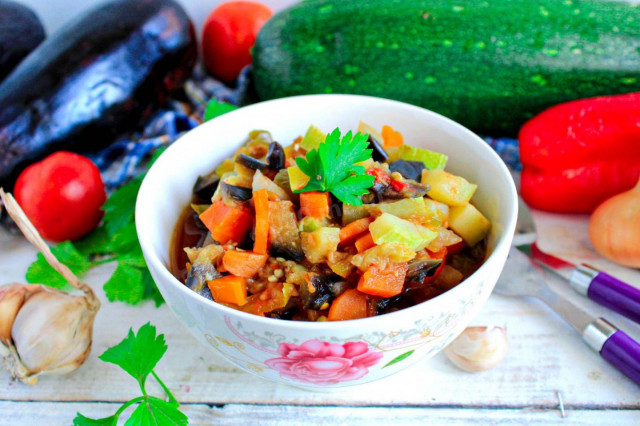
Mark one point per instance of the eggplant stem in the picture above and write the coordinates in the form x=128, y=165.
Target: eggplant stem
x=31, y=234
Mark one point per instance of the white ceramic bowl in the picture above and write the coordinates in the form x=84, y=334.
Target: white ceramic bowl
x=325, y=354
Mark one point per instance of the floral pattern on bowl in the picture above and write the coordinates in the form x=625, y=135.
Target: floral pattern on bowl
x=324, y=363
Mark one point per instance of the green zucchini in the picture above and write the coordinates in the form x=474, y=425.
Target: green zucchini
x=489, y=65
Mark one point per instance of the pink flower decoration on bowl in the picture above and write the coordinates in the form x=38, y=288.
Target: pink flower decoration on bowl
x=323, y=363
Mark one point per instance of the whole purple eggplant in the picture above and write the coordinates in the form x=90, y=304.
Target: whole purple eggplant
x=20, y=32
x=93, y=80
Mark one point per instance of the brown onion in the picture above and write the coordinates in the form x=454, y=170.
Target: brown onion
x=614, y=228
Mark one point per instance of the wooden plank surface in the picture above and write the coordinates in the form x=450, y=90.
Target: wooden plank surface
x=546, y=360
x=244, y=414
x=545, y=356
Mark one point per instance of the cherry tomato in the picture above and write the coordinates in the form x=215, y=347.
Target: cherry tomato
x=229, y=33
x=62, y=195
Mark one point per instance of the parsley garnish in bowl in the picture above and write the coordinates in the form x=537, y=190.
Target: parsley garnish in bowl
x=332, y=167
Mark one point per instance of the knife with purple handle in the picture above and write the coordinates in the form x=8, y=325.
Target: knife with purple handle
x=598, y=286
x=524, y=277
x=606, y=290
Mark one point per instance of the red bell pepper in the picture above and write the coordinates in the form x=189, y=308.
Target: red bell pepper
x=577, y=154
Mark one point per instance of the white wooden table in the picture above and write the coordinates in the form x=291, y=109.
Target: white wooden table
x=548, y=370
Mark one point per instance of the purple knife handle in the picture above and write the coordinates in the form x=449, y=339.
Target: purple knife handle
x=608, y=291
x=623, y=353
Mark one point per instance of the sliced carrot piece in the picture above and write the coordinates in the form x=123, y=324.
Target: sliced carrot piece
x=365, y=242
x=227, y=223
x=315, y=204
x=391, y=138
x=351, y=304
x=349, y=232
x=386, y=282
x=261, y=206
x=229, y=289
x=243, y=263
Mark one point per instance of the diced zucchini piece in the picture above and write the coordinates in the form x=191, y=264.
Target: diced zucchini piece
x=391, y=229
x=438, y=212
x=351, y=213
x=364, y=128
x=408, y=208
x=383, y=254
x=318, y=244
x=447, y=188
x=310, y=224
x=432, y=160
x=469, y=223
x=313, y=138
x=394, y=153
x=226, y=167
x=297, y=178
x=366, y=163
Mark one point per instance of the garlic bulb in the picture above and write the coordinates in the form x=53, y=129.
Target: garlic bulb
x=44, y=330
x=478, y=348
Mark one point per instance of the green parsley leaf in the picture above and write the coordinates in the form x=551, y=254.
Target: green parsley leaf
x=97, y=242
x=125, y=285
x=331, y=167
x=125, y=239
x=353, y=186
x=157, y=411
x=138, y=353
x=81, y=420
x=41, y=272
x=120, y=206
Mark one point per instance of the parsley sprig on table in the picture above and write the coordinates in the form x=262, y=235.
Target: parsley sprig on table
x=331, y=167
x=138, y=354
x=114, y=240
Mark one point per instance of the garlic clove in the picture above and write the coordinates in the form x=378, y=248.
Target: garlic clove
x=44, y=330
x=12, y=297
x=478, y=348
x=52, y=332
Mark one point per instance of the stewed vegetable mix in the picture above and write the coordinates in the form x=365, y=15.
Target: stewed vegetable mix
x=332, y=227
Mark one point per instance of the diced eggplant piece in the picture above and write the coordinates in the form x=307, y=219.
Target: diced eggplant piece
x=412, y=190
x=239, y=193
x=408, y=169
x=282, y=180
x=318, y=291
x=206, y=186
x=390, y=304
x=283, y=231
x=376, y=193
x=422, y=268
x=378, y=154
x=284, y=314
x=275, y=156
x=205, y=240
x=206, y=293
x=250, y=162
x=203, y=266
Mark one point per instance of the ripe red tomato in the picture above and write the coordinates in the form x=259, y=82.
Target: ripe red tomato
x=229, y=33
x=62, y=195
